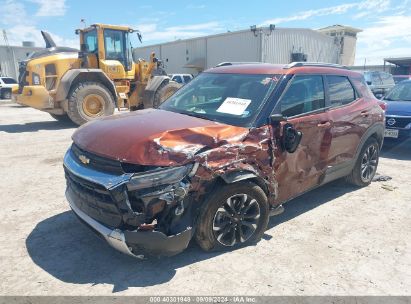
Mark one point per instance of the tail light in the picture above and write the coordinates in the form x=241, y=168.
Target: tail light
x=382, y=104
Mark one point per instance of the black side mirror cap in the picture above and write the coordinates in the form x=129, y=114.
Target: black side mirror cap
x=291, y=138
x=277, y=118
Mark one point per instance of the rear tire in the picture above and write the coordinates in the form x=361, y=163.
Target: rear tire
x=366, y=164
x=235, y=215
x=88, y=101
x=164, y=91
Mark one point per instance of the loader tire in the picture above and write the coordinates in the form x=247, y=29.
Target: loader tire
x=88, y=101
x=61, y=118
x=164, y=91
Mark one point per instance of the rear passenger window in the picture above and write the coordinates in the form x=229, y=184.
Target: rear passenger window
x=305, y=94
x=341, y=91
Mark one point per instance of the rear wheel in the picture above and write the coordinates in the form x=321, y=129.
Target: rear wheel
x=88, y=101
x=366, y=164
x=165, y=91
x=234, y=215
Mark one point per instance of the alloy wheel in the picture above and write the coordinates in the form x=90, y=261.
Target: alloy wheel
x=236, y=220
x=369, y=163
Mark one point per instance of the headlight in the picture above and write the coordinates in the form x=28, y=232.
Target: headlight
x=35, y=79
x=408, y=126
x=163, y=176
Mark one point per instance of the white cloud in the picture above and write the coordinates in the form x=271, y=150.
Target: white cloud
x=196, y=6
x=20, y=27
x=151, y=31
x=371, y=6
x=51, y=7
x=12, y=12
x=387, y=37
x=19, y=33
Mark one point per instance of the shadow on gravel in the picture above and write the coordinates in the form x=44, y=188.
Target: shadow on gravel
x=70, y=252
x=36, y=126
x=395, y=149
x=311, y=200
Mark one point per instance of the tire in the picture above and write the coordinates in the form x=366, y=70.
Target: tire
x=216, y=230
x=366, y=164
x=61, y=118
x=164, y=91
x=6, y=94
x=88, y=101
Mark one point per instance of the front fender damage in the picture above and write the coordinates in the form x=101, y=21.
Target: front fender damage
x=248, y=156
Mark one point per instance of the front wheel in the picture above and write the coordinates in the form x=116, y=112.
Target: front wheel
x=88, y=101
x=234, y=215
x=366, y=164
x=6, y=94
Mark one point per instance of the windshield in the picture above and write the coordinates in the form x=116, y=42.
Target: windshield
x=9, y=81
x=233, y=99
x=401, y=91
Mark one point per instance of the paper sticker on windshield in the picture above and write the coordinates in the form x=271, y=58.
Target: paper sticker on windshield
x=234, y=106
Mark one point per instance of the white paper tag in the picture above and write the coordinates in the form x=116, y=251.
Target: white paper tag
x=234, y=106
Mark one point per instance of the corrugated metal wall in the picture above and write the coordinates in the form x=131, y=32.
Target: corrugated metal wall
x=274, y=47
x=9, y=58
x=234, y=47
x=278, y=46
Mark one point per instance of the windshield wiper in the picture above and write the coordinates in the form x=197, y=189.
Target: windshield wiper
x=197, y=115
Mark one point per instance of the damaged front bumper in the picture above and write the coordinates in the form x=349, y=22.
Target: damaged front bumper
x=128, y=239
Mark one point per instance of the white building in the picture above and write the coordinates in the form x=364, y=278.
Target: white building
x=268, y=44
x=10, y=56
x=346, y=36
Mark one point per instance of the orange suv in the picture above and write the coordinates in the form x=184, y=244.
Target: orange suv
x=221, y=155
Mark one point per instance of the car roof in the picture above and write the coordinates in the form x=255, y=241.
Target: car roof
x=268, y=68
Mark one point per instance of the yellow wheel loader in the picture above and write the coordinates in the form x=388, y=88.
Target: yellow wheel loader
x=91, y=83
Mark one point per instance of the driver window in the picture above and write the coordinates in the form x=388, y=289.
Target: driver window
x=114, y=44
x=304, y=94
x=90, y=40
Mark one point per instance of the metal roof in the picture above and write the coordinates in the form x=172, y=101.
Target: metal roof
x=401, y=61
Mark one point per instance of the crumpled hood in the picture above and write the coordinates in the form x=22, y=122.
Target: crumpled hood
x=154, y=137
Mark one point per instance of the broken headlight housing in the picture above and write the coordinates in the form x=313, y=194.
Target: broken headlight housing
x=160, y=176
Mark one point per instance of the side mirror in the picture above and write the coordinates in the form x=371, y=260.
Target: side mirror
x=277, y=118
x=291, y=138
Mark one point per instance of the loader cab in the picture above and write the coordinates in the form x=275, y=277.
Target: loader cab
x=108, y=48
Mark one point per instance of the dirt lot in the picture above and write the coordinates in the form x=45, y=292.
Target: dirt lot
x=336, y=240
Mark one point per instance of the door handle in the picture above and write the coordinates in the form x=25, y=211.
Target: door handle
x=324, y=124
x=364, y=113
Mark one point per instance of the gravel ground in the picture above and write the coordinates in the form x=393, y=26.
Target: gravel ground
x=336, y=240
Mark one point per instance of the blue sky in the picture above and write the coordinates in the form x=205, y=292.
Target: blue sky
x=386, y=24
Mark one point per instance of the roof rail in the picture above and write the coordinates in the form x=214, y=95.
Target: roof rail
x=235, y=63
x=315, y=64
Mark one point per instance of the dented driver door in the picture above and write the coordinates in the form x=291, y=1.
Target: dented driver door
x=304, y=104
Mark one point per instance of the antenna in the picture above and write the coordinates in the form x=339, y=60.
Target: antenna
x=83, y=21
